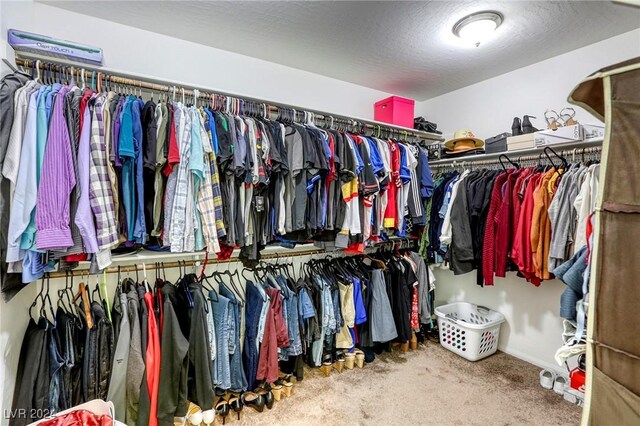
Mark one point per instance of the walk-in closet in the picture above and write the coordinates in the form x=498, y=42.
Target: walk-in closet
x=291, y=212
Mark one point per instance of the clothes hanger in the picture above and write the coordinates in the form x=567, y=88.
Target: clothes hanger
x=47, y=298
x=68, y=308
x=548, y=150
x=185, y=287
x=105, y=294
x=35, y=300
x=504, y=156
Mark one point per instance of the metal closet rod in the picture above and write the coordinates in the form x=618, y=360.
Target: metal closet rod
x=112, y=77
x=518, y=159
x=169, y=265
x=186, y=263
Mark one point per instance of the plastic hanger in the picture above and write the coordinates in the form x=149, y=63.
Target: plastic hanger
x=105, y=294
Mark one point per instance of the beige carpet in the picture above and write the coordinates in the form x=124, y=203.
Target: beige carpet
x=430, y=386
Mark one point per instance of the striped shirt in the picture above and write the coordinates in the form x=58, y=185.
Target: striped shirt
x=56, y=182
x=181, y=213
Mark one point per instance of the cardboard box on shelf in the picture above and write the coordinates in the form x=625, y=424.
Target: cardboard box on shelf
x=561, y=135
x=593, y=132
x=520, y=142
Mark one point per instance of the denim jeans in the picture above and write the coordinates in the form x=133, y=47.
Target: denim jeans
x=222, y=318
x=238, y=379
x=252, y=318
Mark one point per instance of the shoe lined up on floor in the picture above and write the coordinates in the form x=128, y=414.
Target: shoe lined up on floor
x=265, y=395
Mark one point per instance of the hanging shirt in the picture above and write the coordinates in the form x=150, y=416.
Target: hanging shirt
x=139, y=228
x=57, y=181
x=127, y=154
x=196, y=167
x=182, y=211
x=101, y=195
x=25, y=195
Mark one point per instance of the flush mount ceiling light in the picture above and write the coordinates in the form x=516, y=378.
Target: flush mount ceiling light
x=477, y=27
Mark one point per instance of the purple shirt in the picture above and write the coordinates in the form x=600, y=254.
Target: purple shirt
x=56, y=182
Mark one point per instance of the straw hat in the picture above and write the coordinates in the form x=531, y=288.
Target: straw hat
x=463, y=140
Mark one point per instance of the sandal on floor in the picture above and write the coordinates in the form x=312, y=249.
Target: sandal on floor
x=208, y=417
x=559, y=385
x=349, y=360
x=194, y=414
x=547, y=379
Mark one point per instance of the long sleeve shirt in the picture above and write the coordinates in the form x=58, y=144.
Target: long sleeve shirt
x=24, y=199
x=84, y=219
x=57, y=181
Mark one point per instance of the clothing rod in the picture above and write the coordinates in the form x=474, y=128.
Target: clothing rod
x=186, y=263
x=563, y=153
x=568, y=148
x=165, y=86
x=178, y=264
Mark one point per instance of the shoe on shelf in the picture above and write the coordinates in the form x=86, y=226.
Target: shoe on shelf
x=516, y=127
x=553, y=119
x=567, y=115
x=527, y=127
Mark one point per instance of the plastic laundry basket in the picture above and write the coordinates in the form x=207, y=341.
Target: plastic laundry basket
x=469, y=330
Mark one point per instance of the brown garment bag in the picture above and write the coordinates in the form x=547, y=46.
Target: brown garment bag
x=613, y=347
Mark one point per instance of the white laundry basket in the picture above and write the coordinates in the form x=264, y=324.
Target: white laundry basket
x=469, y=330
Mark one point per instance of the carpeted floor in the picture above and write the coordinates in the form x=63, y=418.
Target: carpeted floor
x=430, y=386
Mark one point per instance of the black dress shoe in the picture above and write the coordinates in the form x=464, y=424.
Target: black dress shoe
x=527, y=127
x=222, y=409
x=236, y=404
x=265, y=391
x=253, y=400
x=516, y=128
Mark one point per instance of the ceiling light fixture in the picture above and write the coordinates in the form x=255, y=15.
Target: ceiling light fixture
x=477, y=27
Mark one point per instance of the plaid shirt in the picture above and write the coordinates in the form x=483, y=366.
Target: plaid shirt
x=215, y=181
x=183, y=186
x=205, y=194
x=100, y=191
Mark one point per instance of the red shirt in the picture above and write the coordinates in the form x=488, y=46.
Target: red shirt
x=391, y=212
x=173, y=154
x=488, y=246
x=504, y=217
x=521, y=252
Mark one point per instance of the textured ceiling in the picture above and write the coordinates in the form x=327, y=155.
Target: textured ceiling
x=400, y=47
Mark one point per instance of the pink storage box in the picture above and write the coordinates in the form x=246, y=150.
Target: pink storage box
x=395, y=110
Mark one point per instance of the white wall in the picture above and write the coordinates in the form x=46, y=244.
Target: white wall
x=487, y=108
x=533, y=328
x=138, y=51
